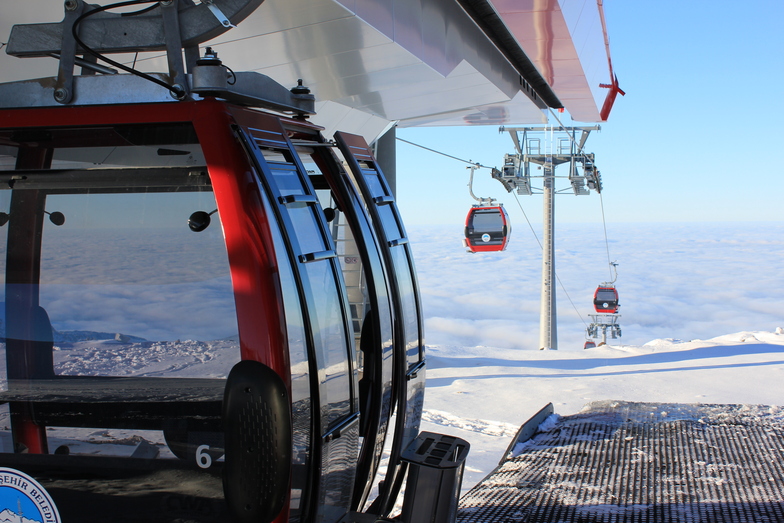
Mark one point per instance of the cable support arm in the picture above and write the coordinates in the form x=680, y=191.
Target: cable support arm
x=170, y=25
x=120, y=33
x=482, y=201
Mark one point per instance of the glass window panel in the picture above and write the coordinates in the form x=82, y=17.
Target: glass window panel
x=7, y=157
x=287, y=179
x=390, y=223
x=374, y=184
x=276, y=156
x=408, y=300
x=330, y=339
x=130, y=156
x=487, y=221
x=126, y=281
x=605, y=295
x=128, y=295
x=300, y=374
x=122, y=146
x=306, y=227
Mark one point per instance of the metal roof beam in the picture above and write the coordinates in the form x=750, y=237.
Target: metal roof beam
x=485, y=16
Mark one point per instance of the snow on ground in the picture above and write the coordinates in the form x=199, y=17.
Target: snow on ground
x=483, y=394
x=181, y=359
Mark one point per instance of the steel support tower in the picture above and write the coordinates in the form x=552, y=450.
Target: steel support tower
x=548, y=323
x=547, y=148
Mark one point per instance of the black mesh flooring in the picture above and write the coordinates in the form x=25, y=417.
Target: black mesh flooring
x=642, y=462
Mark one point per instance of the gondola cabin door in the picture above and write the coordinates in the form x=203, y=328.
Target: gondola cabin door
x=320, y=320
x=408, y=327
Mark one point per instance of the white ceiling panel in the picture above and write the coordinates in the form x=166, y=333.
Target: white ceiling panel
x=415, y=62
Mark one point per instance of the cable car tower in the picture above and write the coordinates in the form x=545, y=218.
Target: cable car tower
x=547, y=148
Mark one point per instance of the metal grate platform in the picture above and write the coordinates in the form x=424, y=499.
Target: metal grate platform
x=641, y=462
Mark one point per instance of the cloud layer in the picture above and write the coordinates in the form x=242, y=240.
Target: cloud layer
x=688, y=281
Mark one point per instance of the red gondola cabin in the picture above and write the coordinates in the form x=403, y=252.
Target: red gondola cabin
x=605, y=299
x=487, y=229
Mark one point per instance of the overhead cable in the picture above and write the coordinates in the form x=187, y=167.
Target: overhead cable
x=606, y=241
x=469, y=162
x=563, y=288
x=601, y=200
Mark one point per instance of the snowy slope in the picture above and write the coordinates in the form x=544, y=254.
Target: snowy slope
x=483, y=394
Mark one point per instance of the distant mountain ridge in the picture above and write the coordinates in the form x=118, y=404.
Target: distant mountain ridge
x=77, y=336
x=8, y=516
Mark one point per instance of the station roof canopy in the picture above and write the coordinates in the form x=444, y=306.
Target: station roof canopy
x=371, y=63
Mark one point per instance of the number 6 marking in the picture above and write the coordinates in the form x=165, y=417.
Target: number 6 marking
x=203, y=459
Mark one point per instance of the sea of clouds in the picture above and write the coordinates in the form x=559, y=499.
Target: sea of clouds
x=683, y=281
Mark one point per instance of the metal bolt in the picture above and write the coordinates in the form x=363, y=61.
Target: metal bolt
x=178, y=92
x=61, y=95
x=71, y=5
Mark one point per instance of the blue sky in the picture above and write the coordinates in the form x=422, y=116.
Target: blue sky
x=694, y=139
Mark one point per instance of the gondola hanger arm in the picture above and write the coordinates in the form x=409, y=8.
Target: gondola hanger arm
x=613, y=273
x=118, y=33
x=482, y=201
x=95, y=31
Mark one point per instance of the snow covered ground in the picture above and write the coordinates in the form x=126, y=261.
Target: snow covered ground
x=483, y=394
x=701, y=315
